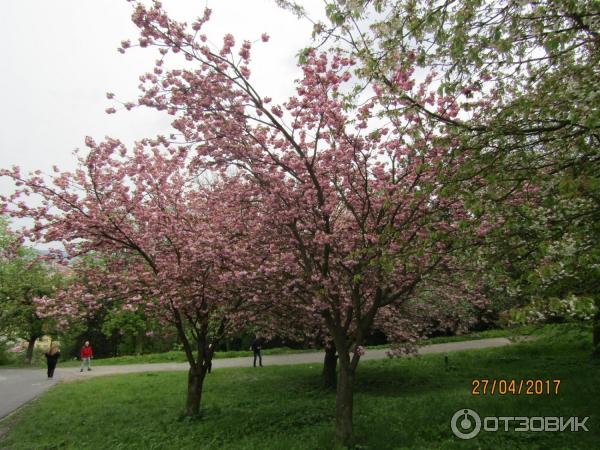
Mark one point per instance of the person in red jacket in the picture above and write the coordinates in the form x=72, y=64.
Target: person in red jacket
x=86, y=354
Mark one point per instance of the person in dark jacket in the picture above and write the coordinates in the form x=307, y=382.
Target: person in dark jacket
x=256, y=347
x=208, y=355
x=52, y=356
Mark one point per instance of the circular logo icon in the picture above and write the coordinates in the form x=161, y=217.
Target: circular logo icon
x=466, y=424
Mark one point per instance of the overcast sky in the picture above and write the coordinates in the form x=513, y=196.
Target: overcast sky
x=59, y=59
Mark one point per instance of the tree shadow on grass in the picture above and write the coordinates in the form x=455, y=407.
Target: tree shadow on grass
x=391, y=379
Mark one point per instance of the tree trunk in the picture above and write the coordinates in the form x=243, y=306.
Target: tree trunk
x=596, y=331
x=343, y=406
x=330, y=367
x=30, y=347
x=115, y=343
x=194, y=392
x=139, y=343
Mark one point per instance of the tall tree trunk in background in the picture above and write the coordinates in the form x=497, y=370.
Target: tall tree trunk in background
x=139, y=343
x=330, y=366
x=596, y=330
x=115, y=340
x=30, y=347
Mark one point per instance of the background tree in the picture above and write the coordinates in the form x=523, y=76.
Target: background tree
x=126, y=324
x=524, y=74
x=24, y=277
x=170, y=244
x=547, y=261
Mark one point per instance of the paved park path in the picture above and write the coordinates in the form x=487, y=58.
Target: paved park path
x=18, y=386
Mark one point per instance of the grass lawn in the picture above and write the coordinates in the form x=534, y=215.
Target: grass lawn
x=399, y=404
x=511, y=333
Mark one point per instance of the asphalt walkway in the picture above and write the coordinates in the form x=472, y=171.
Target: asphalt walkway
x=18, y=386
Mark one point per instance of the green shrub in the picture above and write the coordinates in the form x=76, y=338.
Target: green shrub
x=551, y=310
x=4, y=357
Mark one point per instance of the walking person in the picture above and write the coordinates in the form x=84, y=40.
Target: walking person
x=52, y=356
x=256, y=347
x=86, y=354
x=208, y=355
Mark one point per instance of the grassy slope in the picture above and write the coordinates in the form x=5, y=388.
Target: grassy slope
x=400, y=404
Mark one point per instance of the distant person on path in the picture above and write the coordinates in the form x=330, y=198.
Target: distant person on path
x=86, y=354
x=256, y=347
x=208, y=354
x=52, y=356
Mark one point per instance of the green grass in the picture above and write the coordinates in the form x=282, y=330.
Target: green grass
x=399, y=404
x=511, y=333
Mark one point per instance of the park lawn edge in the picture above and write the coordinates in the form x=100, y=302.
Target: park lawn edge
x=296, y=410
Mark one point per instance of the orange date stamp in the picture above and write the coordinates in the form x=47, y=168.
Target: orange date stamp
x=495, y=386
